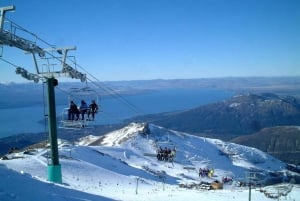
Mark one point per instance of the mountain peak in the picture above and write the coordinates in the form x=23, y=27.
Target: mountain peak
x=115, y=138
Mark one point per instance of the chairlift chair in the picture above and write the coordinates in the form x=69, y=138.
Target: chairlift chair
x=76, y=95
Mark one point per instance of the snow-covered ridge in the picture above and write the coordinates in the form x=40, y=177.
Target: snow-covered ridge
x=115, y=138
x=123, y=166
x=140, y=140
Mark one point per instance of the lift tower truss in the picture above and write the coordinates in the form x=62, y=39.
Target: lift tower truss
x=10, y=38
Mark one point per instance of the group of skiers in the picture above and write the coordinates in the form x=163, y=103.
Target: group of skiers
x=166, y=154
x=227, y=179
x=205, y=172
x=74, y=112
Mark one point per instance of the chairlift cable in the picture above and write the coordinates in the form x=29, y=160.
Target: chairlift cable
x=62, y=90
x=106, y=88
x=73, y=95
x=8, y=62
x=109, y=90
x=113, y=93
x=37, y=39
x=25, y=30
x=18, y=67
x=117, y=96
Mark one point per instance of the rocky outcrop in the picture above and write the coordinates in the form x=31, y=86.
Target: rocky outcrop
x=282, y=142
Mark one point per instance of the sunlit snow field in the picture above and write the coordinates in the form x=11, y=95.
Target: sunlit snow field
x=120, y=166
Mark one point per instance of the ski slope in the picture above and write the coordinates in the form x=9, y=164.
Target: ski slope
x=121, y=166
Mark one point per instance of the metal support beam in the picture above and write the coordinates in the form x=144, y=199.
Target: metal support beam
x=66, y=69
x=9, y=38
x=2, y=14
x=63, y=51
x=54, y=169
x=35, y=63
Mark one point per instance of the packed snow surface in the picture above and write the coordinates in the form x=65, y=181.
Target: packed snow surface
x=122, y=165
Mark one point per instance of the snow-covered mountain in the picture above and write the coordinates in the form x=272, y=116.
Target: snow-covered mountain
x=122, y=165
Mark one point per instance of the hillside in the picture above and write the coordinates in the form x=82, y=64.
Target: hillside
x=121, y=165
x=21, y=141
x=240, y=115
x=282, y=142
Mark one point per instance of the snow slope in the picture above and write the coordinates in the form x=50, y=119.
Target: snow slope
x=121, y=166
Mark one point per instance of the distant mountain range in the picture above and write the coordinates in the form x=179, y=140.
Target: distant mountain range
x=240, y=115
x=16, y=94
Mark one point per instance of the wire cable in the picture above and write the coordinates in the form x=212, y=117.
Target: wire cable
x=105, y=88
x=24, y=73
x=8, y=62
x=25, y=30
x=119, y=97
x=112, y=92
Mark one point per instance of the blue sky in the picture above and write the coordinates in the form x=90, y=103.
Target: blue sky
x=164, y=39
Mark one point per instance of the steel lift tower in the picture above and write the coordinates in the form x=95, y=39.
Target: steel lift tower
x=9, y=38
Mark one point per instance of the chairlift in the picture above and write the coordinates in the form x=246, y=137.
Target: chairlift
x=166, y=150
x=71, y=120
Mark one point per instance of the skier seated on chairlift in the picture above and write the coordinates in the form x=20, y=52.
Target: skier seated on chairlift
x=166, y=154
x=93, y=108
x=73, y=111
x=83, y=109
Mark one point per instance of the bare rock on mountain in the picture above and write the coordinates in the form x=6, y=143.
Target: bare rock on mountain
x=282, y=142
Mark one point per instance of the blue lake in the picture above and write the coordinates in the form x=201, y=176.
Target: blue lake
x=113, y=110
